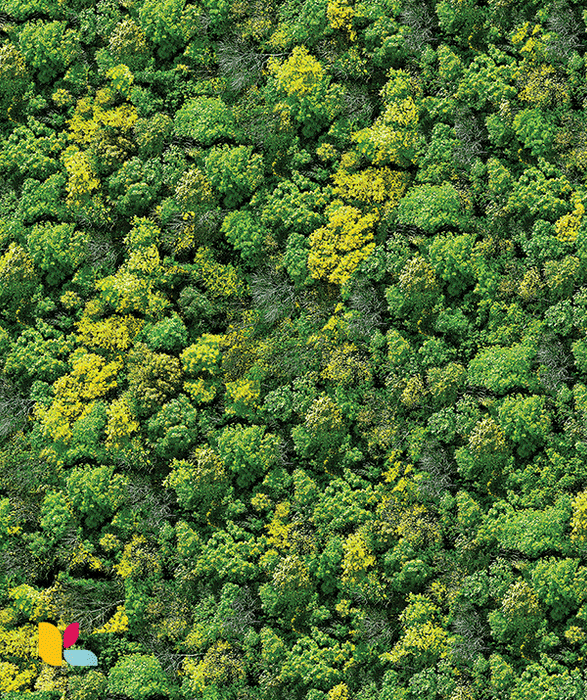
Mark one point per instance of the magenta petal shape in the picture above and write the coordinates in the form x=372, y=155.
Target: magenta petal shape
x=70, y=635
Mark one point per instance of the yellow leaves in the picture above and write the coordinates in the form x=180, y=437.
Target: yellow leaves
x=244, y=395
x=358, y=558
x=121, y=424
x=337, y=248
x=114, y=334
x=203, y=356
x=122, y=79
x=520, y=601
x=75, y=393
x=82, y=180
x=413, y=392
x=372, y=185
x=200, y=391
x=575, y=635
x=219, y=666
x=116, y=624
x=579, y=518
x=393, y=138
x=542, y=86
x=13, y=680
x=344, y=366
x=89, y=118
x=279, y=531
x=421, y=635
x=82, y=556
x=300, y=75
x=568, y=225
x=220, y=280
x=137, y=560
x=421, y=638
x=530, y=285
x=126, y=292
x=339, y=692
x=340, y=16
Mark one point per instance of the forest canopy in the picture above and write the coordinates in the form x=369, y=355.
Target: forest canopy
x=293, y=348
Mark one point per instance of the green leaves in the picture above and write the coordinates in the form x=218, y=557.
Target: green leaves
x=48, y=47
x=139, y=677
x=207, y=120
x=432, y=208
x=248, y=452
x=501, y=369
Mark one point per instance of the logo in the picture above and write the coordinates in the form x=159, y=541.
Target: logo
x=51, y=646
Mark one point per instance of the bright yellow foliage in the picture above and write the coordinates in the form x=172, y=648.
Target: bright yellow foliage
x=82, y=556
x=126, y=292
x=300, y=75
x=358, y=558
x=12, y=679
x=345, y=367
x=49, y=680
x=244, y=395
x=75, y=393
x=579, y=519
x=219, y=280
x=203, y=356
x=541, y=86
x=200, y=391
x=279, y=531
x=89, y=119
x=531, y=285
x=340, y=16
x=114, y=334
x=393, y=138
x=413, y=392
x=121, y=423
x=82, y=180
x=372, y=185
x=567, y=226
x=219, y=666
x=116, y=624
x=137, y=560
x=337, y=248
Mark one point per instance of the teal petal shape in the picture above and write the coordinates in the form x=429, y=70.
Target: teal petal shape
x=80, y=657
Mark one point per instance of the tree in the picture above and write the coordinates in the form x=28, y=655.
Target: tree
x=337, y=248
x=235, y=172
x=49, y=48
x=128, y=45
x=525, y=421
x=302, y=88
x=152, y=378
x=206, y=120
x=451, y=259
x=393, y=138
x=57, y=249
x=248, y=452
x=501, y=369
x=139, y=677
x=14, y=77
x=172, y=430
x=433, y=208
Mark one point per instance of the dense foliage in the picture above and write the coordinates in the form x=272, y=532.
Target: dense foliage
x=293, y=345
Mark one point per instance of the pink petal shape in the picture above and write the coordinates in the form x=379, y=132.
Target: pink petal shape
x=70, y=634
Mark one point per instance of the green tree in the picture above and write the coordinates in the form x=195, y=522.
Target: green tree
x=139, y=677
x=248, y=452
x=433, y=208
x=206, y=120
x=48, y=47
x=235, y=172
x=172, y=430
